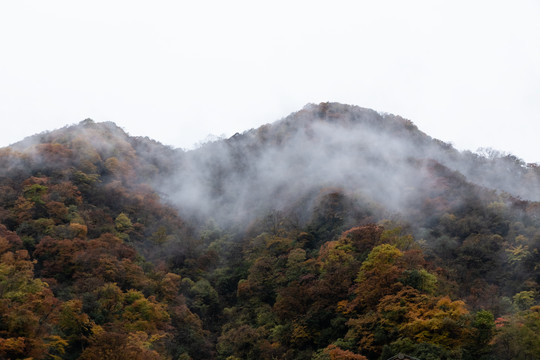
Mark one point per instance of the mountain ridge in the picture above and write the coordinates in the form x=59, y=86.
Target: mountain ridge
x=310, y=144
x=336, y=232
x=311, y=125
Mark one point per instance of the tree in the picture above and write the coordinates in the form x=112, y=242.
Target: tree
x=333, y=352
x=28, y=311
x=378, y=276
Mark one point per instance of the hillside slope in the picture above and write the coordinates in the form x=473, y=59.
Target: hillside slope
x=384, y=157
x=334, y=233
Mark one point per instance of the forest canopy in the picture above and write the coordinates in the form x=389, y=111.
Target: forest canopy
x=334, y=233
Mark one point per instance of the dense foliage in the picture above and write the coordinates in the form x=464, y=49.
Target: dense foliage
x=95, y=263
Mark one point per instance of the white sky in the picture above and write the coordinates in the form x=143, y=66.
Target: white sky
x=466, y=72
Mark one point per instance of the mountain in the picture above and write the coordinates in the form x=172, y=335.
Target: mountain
x=335, y=233
x=383, y=157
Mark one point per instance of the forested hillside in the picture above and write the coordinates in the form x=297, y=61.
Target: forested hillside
x=335, y=233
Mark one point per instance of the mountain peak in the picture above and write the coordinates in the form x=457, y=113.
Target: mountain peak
x=284, y=232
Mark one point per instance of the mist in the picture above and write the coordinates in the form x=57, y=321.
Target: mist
x=380, y=157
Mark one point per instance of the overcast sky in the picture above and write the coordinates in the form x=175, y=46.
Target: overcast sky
x=466, y=72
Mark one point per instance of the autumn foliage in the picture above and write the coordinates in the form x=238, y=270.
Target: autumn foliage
x=95, y=264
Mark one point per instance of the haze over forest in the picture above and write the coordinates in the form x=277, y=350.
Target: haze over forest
x=337, y=232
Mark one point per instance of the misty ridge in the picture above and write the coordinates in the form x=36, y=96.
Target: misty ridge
x=381, y=158
x=286, y=166
x=301, y=239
